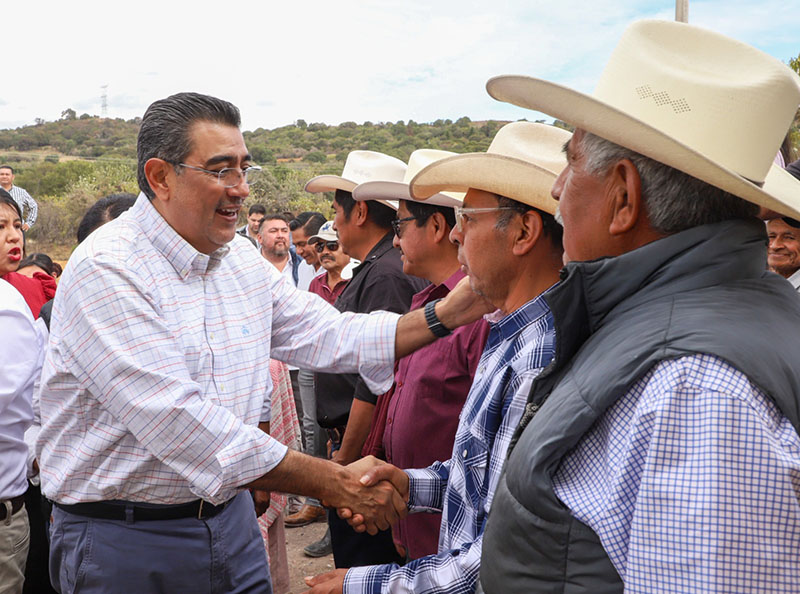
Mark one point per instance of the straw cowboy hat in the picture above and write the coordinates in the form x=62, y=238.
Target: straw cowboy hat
x=418, y=160
x=700, y=102
x=360, y=167
x=522, y=163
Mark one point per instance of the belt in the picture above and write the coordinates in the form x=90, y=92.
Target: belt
x=130, y=512
x=16, y=504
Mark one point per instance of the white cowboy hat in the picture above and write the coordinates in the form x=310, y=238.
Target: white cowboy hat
x=360, y=167
x=521, y=163
x=419, y=159
x=695, y=100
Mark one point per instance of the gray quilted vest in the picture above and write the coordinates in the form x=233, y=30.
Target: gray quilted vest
x=704, y=290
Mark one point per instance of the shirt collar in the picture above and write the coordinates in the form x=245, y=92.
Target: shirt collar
x=378, y=250
x=508, y=326
x=177, y=251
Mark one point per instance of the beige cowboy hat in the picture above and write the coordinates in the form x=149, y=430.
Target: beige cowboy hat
x=360, y=167
x=419, y=159
x=521, y=163
x=695, y=100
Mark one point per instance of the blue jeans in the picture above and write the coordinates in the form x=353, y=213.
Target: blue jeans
x=220, y=554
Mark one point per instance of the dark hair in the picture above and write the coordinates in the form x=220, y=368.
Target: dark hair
x=57, y=270
x=315, y=221
x=300, y=220
x=101, y=212
x=6, y=198
x=272, y=216
x=550, y=226
x=9, y=167
x=422, y=212
x=42, y=261
x=164, y=132
x=377, y=213
x=257, y=209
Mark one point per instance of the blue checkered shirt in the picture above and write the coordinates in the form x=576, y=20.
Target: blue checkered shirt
x=462, y=488
x=691, y=481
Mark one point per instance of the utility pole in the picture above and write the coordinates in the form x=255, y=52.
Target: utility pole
x=104, y=102
x=682, y=11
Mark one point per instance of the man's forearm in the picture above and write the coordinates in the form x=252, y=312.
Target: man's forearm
x=460, y=307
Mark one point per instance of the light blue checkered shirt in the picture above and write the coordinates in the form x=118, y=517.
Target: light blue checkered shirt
x=462, y=488
x=691, y=481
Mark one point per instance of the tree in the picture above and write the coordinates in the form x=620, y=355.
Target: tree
x=301, y=124
x=68, y=114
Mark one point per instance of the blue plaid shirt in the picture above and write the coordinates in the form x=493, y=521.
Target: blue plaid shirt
x=691, y=481
x=519, y=346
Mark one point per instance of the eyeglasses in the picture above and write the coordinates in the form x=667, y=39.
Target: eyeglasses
x=332, y=246
x=230, y=177
x=463, y=214
x=397, y=225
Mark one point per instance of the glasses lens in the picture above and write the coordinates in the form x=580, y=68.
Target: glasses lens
x=331, y=245
x=230, y=177
x=252, y=174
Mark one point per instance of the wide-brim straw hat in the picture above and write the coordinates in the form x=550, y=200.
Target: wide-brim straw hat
x=710, y=106
x=521, y=163
x=360, y=167
x=418, y=160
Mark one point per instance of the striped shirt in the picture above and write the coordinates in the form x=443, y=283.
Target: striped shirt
x=462, y=488
x=691, y=482
x=157, y=373
x=24, y=200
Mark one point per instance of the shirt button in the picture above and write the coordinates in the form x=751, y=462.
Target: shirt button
x=389, y=421
x=464, y=454
x=211, y=336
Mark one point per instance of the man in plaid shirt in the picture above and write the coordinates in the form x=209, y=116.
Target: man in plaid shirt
x=510, y=246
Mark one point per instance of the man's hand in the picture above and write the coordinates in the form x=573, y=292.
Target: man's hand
x=462, y=306
x=25, y=226
x=375, y=474
x=326, y=583
x=261, y=500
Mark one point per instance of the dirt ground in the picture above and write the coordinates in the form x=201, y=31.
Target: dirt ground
x=301, y=566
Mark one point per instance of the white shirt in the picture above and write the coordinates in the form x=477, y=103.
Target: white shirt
x=795, y=280
x=155, y=377
x=21, y=352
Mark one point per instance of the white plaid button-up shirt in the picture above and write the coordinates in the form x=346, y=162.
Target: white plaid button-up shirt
x=157, y=373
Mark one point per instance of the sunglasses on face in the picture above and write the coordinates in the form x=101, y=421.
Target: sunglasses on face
x=331, y=245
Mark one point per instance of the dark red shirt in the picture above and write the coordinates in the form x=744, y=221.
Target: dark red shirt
x=37, y=290
x=319, y=286
x=431, y=386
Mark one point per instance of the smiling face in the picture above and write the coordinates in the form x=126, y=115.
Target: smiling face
x=305, y=251
x=783, y=256
x=200, y=209
x=10, y=239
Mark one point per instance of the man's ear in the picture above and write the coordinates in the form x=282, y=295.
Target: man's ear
x=157, y=172
x=625, y=194
x=527, y=232
x=360, y=212
x=441, y=231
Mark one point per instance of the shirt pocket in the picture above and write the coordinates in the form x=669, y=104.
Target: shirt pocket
x=475, y=458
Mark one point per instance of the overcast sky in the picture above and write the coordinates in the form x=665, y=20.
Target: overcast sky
x=331, y=61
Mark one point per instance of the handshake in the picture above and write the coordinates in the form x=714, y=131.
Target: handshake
x=373, y=497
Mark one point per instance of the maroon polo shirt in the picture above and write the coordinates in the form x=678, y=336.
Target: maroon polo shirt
x=431, y=386
x=319, y=286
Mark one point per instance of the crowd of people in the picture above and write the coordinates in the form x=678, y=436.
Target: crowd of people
x=565, y=364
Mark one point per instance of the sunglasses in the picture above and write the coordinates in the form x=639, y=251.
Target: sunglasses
x=331, y=245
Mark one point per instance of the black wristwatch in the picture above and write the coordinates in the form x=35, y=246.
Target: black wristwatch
x=434, y=323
